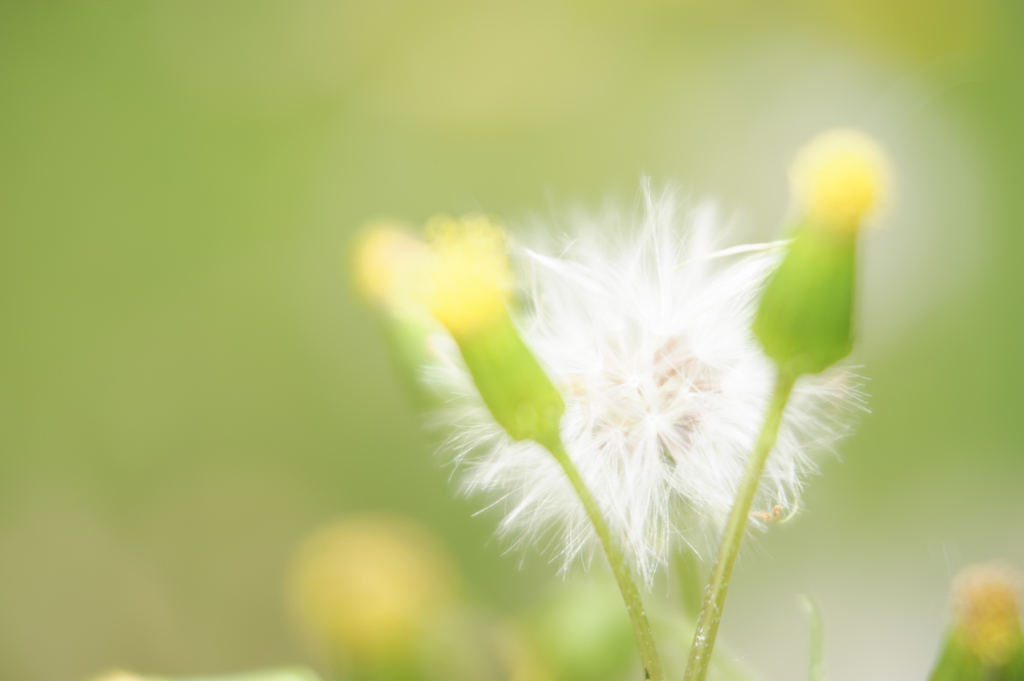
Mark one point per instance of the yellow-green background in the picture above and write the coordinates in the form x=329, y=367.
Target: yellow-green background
x=187, y=386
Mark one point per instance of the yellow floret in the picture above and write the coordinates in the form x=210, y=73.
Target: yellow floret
x=387, y=261
x=470, y=277
x=840, y=178
x=368, y=585
x=986, y=611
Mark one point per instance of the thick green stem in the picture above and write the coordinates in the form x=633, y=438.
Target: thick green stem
x=623, y=575
x=718, y=586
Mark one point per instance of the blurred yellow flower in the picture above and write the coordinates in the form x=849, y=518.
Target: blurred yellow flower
x=366, y=586
x=388, y=260
x=518, y=658
x=840, y=178
x=470, y=277
x=986, y=611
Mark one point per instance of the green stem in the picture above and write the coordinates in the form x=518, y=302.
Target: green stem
x=718, y=586
x=623, y=575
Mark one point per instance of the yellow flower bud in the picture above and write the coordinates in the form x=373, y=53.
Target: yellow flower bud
x=388, y=260
x=985, y=610
x=805, y=317
x=840, y=178
x=366, y=586
x=468, y=285
x=470, y=278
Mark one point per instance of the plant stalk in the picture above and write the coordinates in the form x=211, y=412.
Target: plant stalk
x=620, y=568
x=718, y=585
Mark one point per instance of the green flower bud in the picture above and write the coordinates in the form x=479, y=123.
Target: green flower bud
x=512, y=383
x=804, y=320
x=805, y=317
x=468, y=284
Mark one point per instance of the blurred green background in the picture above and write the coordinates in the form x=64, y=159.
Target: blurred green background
x=188, y=387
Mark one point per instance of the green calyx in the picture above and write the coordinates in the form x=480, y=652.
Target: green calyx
x=959, y=662
x=805, y=316
x=513, y=385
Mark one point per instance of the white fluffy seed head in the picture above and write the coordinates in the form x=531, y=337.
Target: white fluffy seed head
x=647, y=335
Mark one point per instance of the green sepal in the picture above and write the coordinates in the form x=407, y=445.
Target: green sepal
x=805, y=316
x=513, y=385
x=1014, y=668
x=955, y=663
x=958, y=663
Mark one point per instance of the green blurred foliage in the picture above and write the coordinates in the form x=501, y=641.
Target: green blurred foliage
x=187, y=386
x=585, y=633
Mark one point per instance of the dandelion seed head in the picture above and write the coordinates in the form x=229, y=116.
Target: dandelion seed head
x=840, y=178
x=647, y=336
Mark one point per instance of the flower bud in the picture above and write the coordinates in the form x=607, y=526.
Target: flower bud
x=387, y=266
x=386, y=260
x=805, y=316
x=470, y=277
x=985, y=640
x=470, y=283
x=985, y=610
x=840, y=179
